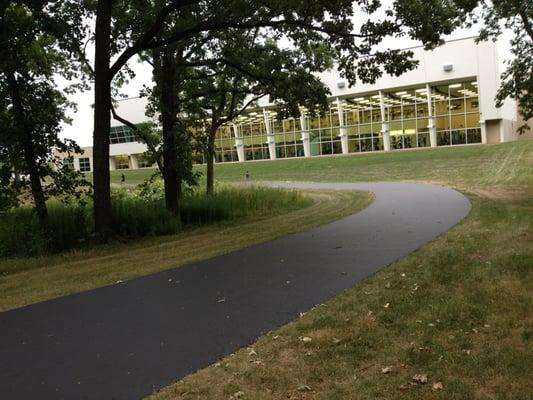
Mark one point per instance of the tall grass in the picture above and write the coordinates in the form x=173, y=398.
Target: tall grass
x=230, y=203
x=70, y=225
x=133, y=217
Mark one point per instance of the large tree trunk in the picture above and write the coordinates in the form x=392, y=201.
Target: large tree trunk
x=102, y=123
x=210, y=155
x=30, y=158
x=167, y=82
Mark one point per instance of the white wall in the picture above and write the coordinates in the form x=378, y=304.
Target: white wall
x=132, y=109
x=127, y=148
x=468, y=60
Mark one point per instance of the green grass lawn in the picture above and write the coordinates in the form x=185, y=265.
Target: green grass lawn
x=461, y=166
x=458, y=312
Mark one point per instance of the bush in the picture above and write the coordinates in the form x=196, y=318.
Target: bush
x=134, y=217
x=230, y=203
x=68, y=226
x=20, y=233
x=134, y=214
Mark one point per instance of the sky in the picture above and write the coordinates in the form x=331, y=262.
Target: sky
x=82, y=125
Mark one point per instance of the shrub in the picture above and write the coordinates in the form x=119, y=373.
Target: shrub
x=68, y=226
x=230, y=203
x=20, y=233
x=134, y=217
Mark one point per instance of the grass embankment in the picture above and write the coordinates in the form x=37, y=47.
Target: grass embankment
x=28, y=280
x=457, y=312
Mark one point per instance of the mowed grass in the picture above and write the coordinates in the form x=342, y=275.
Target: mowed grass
x=25, y=281
x=460, y=166
x=458, y=311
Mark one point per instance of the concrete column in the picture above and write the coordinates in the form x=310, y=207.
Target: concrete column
x=112, y=165
x=305, y=133
x=343, y=131
x=271, y=140
x=134, y=162
x=501, y=126
x=76, y=164
x=431, y=119
x=239, y=143
x=385, y=131
x=483, y=128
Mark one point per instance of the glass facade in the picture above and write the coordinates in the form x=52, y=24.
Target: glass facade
x=121, y=162
x=225, y=145
x=406, y=112
x=121, y=134
x=252, y=130
x=457, y=113
x=362, y=119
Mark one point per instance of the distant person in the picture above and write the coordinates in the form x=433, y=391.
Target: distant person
x=123, y=178
x=247, y=177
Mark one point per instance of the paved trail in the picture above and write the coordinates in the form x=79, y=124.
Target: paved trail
x=127, y=340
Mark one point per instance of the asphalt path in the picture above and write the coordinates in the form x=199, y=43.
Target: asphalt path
x=127, y=340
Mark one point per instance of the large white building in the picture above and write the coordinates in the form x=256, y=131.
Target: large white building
x=447, y=100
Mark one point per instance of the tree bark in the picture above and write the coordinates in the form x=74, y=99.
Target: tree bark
x=210, y=155
x=30, y=158
x=102, y=123
x=167, y=82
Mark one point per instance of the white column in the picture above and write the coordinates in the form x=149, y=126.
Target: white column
x=431, y=119
x=271, y=141
x=239, y=143
x=305, y=133
x=483, y=128
x=343, y=131
x=76, y=164
x=134, y=162
x=112, y=164
x=385, y=131
x=502, y=131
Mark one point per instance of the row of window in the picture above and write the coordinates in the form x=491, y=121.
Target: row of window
x=121, y=162
x=455, y=109
x=84, y=163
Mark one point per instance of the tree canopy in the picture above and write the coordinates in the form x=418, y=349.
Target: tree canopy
x=35, y=46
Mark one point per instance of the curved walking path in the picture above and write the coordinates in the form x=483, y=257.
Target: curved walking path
x=127, y=340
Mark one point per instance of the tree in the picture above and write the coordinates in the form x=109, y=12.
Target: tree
x=220, y=87
x=517, y=79
x=34, y=46
x=125, y=29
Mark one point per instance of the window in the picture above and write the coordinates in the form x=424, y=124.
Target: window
x=142, y=162
x=122, y=162
x=85, y=164
x=121, y=134
x=68, y=162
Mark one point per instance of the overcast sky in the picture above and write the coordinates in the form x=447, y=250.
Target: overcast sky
x=82, y=124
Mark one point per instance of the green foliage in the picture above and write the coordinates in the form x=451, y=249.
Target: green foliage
x=135, y=214
x=228, y=204
x=20, y=233
x=133, y=217
x=517, y=79
x=68, y=226
x=36, y=45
